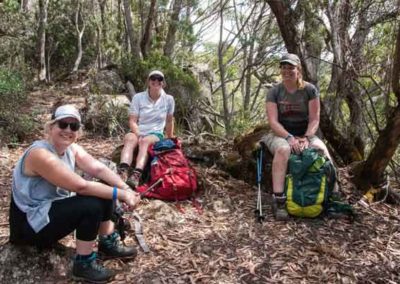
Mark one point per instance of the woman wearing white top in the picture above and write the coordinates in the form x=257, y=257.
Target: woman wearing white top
x=150, y=113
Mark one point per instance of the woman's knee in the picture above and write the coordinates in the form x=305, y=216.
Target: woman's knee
x=130, y=138
x=95, y=208
x=282, y=152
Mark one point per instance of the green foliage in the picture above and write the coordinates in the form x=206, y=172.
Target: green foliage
x=243, y=121
x=136, y=71
x=11, y=6
x=14, y=126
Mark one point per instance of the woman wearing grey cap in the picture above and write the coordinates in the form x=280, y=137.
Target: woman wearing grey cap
x=150, y=113
x=42, y=209
x=293, y=111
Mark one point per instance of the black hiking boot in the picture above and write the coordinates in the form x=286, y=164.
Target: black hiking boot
x=111, y=247
x=279, y=207
x=134, y=180
x=88, y=270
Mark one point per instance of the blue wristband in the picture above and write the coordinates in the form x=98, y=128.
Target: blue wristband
x=114, y=196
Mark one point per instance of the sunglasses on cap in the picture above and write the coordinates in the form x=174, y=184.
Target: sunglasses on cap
x=74, y=126
x=156, y=78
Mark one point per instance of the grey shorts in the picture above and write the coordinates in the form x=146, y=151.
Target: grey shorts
x=273, y=142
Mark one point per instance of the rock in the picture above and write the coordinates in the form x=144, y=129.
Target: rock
x=106, y=115
x=107, y=82
x=30, y=265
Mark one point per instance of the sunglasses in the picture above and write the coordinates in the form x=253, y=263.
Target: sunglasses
x=287, y=67
x=156, y=78
x=74, y=126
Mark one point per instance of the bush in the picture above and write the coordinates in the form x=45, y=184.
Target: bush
x=14, y=127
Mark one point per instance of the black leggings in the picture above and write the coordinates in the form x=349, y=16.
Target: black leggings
x=81, y=213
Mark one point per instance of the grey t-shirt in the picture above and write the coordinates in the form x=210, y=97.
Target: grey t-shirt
x=34, y=195
x=293, y=108
x=152, y=115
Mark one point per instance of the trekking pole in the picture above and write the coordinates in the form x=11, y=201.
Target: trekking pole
x=259, y=212
x=151, y=187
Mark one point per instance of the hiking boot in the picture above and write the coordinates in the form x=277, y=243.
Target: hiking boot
x=123, y=173
x=111, y=247
x=88, y=270
x=279, y=208
x=134, y=180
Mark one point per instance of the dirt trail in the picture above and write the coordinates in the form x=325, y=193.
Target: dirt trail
x=225, y=244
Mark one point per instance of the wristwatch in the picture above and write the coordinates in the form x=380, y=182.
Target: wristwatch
x=288, y=137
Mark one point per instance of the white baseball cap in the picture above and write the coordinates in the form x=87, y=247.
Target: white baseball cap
x=156, y=72
x=65, y=111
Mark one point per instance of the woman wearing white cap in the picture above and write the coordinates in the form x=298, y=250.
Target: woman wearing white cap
x=42, y=210
x=150, y=113
x=293, y=112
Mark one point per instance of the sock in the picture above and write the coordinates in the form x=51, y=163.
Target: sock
x=83, y=257
x=138, y=170
x=123, y=166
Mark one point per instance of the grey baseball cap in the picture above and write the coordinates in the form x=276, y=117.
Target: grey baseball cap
x=290, y=58
x=65, y=111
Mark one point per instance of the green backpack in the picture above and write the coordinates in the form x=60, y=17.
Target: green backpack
x=309, y=183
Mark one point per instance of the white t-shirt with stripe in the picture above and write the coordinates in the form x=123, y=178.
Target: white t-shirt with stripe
x=151, y=114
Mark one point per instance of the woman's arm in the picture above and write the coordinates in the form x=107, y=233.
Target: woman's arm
x=41, y=162
x=94, y=167
x=133, y=119
x=313, y=116
x=169, y=126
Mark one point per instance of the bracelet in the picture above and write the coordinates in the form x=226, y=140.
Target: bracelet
x=309, y=137
x=114, y=194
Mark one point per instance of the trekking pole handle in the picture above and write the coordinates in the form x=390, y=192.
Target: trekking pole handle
x=259, y=166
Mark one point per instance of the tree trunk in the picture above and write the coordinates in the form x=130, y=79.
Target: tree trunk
x=101, y=32
x=221, y=67
x=372, y=171
x=79, y=34
x=43, y=4
x=146, y=39
x=172, y=28
x=131, y=34
x=25, y=6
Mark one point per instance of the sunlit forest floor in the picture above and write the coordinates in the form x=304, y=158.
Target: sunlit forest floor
x=224, y=243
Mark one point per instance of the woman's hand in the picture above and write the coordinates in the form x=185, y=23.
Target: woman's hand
x=304, y=143
x=295, y=145
x=130, y=199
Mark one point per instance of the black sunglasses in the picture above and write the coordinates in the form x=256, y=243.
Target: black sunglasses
x=74, y=126
x=156, y=77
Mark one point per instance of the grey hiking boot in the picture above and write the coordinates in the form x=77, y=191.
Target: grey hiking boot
x=123, y=172
x=88, y=270
x=279, y=208
x=111, y=247
x=134, y=180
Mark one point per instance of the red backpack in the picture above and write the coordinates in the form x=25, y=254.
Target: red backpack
x=171, y=176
